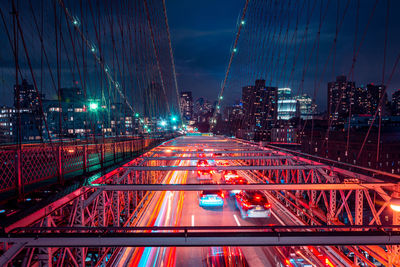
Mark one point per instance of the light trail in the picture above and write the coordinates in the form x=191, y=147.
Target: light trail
x=167, y=212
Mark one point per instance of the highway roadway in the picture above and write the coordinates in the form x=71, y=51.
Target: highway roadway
x=182, y=209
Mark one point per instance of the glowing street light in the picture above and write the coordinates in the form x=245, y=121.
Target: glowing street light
x=93, y=49
x=93, y=106
x=395, y=204
x=76, y=21
x=173, y=118
x=174, y=127
x=163, y=123
x=234, y=50
x=243, y=22
x=221, y=97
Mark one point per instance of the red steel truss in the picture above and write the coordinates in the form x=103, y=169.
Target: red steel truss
x=336, y=197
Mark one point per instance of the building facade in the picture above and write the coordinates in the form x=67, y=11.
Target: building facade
x=186, y=104
x=396, y=103
x=29, y=118
x=340, y=97
x=7, y=115
x=260, y=105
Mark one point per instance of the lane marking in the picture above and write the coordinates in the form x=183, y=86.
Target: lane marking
x=236, y=219
x=192, y=220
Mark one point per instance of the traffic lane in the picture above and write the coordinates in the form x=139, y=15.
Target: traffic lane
x=166, y=213
x=149, y=218
x=228, y=215
x=284, y=218
x=222, y=216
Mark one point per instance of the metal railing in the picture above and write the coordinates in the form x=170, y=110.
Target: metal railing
x=33, y=164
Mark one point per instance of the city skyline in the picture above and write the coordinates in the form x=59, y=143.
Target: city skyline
x=202, y=51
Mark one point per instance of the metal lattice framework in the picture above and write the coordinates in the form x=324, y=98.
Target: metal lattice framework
x=35, y=163
x=315, y=194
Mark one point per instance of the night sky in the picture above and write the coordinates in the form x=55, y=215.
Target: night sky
x=202, y=34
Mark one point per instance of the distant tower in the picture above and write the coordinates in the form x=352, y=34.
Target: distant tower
x=26, y=102
x=260, y=104
x=186, y=104
x=340, y=97
x=396, y=103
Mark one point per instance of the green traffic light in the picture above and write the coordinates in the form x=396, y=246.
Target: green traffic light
x=136, y=115
x=173, y=118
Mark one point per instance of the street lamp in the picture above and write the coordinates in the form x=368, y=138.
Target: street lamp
x=93, y=106
x=395, y=204
x=163, y=123
x=173, y=118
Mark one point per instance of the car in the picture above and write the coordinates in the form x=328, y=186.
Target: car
x=236, y=180
x=253, y=204
x=202, y=163
x=204, y=174
x=225, y=256
x=228, y=174
x=211, y=198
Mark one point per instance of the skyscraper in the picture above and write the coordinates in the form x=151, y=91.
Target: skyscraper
x=374, y=95
x=396, y=103
x=284, y=93
x=305, y=107
x=340, y=97
x=260, y=105
x=186, y=103
x=28, y=124
x=7, y=115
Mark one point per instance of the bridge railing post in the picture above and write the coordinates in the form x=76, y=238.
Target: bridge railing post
x=102, y=155
x=132, y=146
x=60, y=164
x=18, y=172
x=115, y=151
x=84, y=159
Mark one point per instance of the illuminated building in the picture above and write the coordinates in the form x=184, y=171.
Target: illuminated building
x=284, y=93
x=374, y=95
x=287, y=109
x=260, y=105
x=29, y=122
x=186, y=105
x=396, y=103
x=6, y=124
x=340, y=97
x=305, y=107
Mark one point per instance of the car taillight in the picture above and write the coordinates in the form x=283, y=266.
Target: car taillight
x=267, y=206
x=245, y=205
